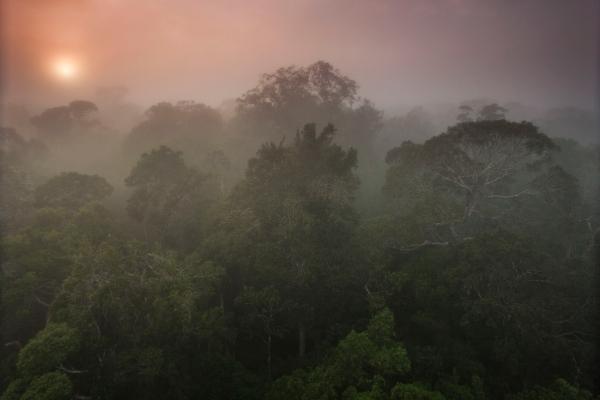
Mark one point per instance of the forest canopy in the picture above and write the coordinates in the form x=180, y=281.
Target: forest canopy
x=307, y=246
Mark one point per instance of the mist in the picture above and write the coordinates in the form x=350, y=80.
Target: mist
x=342, y=199
x=543, y=53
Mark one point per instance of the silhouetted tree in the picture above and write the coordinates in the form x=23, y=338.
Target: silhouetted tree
x=184, y=126
x=491, y=112
x=61, y=122
x=283, y=101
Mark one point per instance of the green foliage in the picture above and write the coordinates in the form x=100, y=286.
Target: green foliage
x=294, y=89
x=474, y=282
x=158, y=166
x=19, y=163
x=47, y=350
x=14, y=390
x=37, y=260
x=148, y=315
x=476, y=176
x=50, y=386
x=371, y=360
x=306, y=189
x=168, y=195
x=411, y=391
x=72, y=190
x=285, y=100
x=492, y=301
x=558, y=390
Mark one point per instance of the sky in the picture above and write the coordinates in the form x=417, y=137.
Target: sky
x=539, y=52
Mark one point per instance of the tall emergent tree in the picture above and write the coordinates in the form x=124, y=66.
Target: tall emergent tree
x=301, y=201
x=284, y=100
x=465, y=172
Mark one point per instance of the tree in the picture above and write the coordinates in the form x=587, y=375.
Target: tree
x=71, y=190
x=18, y=151
x=40, y=256
x=416, y=125
x=218, y=166
x=19, y=166
x=54, y=122
x=48, y=350
x=263, y=307
x=152, y=324
x=165, y=189
x=560, y=211
x=300, y=197
x=486, y=112
x=81, y=109
x=50, y=386
x=571, y=122
x=185, y=125
x=60, y=122
x=284, y=100
x=575, y=181
x=363, y=365
x=41, y=365
x=491, y=112
x=411, y=391
x=474, y=165
x=35, y=262
x=361, y=126
x=289, y=94
x=465, y=113
x=498, y=306
x=558, y=390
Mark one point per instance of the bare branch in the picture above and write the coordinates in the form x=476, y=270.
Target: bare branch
x=510, y=196
x=72, y=371
x=40, y=301
x=426, y=243
x=14, y=343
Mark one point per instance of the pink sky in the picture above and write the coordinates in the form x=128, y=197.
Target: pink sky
x=400, y=52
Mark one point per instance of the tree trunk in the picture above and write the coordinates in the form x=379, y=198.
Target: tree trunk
x=301, y=340
x=222, y=186
x=471, y=203
x=269, y=357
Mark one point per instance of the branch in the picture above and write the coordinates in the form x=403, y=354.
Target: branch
x=510, y=196
x=498, y=178
x=14, y=343
x=457, y=183
x=577, y=334
x=40, y=301
x=72, y=371
x=425, y=243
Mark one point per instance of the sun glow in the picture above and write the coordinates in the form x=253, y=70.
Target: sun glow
x=65, y=69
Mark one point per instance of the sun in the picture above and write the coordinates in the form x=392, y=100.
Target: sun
x=65, y=69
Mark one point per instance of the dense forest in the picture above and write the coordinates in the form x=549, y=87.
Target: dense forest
x=298, y=244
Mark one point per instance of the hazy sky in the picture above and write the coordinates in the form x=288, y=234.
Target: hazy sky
x=400, y=52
